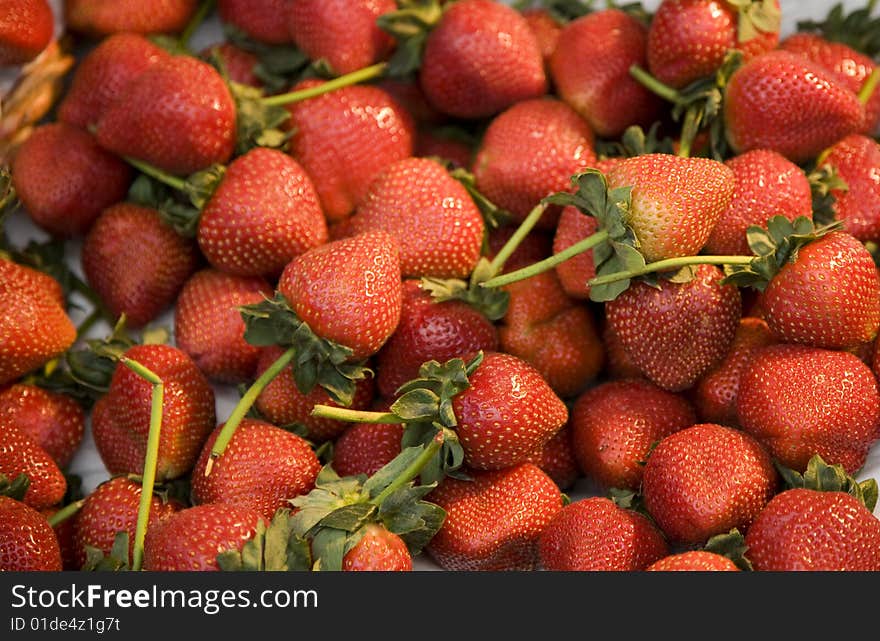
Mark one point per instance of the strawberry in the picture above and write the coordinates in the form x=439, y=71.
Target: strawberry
x=99, y=18
x=121, y=417
x=263, y=20
x=575, y=274
x=546, y=30
x=345, y=138
x=102, y=75
x=705, y=480
x=786, y=103
x=693, y=561
x=65, y=532
x=688, y=39
x=855, y=159
x=435, y=222
x=54, y=420
x=363, y=448
x=29, y=278
x=615, y=424
x=65, y=179
x=238, y=63
x=433, y=143
x=800, y=401
x=209, y=327
x=261, y=468
x=529, y=151
x=344, y=33
x=191, y=539
x=618, y=364
x=180, y=94
x=677, y=332
x=590, y=71
x=595, y=534
x=127, y=234
x=22, y=454
x=27, y=541
x=493, y=521
x=767, y=185
x=26, y=28
x=379, y=550
x=557, y=459
x=536, y=246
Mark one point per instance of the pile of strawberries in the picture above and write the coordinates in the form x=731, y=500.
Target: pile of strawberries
x=458, y=259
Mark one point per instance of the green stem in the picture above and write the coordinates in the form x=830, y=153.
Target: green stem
x=65, y=513
x=688, y=133
x=354, y=416
x=671, y=263
x=412, y=470
x=195, y=22
x=244, y=405
x=353, y=78
x=514, y=241
x=175, y=182
x=653, y=85
x=868, y=87
x=548, y=263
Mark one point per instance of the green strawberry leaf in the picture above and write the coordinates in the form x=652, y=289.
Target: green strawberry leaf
x=273, y=548
x=14, y=488
x=731, y=545
x=492, y=302
x=116, y=561
x=409, y=26
x=830, y=478
x=756, y=17
x=824, y=182
x=328, y=548
x=635, y=142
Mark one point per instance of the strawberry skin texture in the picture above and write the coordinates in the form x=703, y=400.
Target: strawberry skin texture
x=180, y=94
x=363, y=448
x=800, y=401
x=705, y=480
x=27, y=541
x=264, y=213
x=590, y=71
x=494, y=520
x=239, y=63
x=576, y=272
x=32, y=280
x=810, y=530
x=676, y=333
x=263, y=20
x=480, y=59
x=22, y=454
x=767, y=185
x=54, y=420
x=26, y=28
x=546, y=30
x=348, y=291
x=65, y=179
x=127, y=234
x=693, y=561
x=529, y=151
x=556, y=458
x=618, y=364
x=856, y=159
x=191, y=539
x=378, y=551
x=615, y=424
x=828, y=297
x=209, y=327
x=789, y=104
x=433, y=143
x=98, y=18
x=595, y=535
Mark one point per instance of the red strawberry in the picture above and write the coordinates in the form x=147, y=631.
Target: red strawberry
x=546, y=30
x=21, y=454
x=435, y=222
x=239, y=64
x=407, y=92
x=688, y=39
x=65, y=532
x=590, y=70
x=575, y=273
x=209, y=327
x=30, y=279
x=431, y=143
x=615, y=424
x=65, y=179
x=800, y=401
x=693, y=561
x=263, y=20
x=344, y=33
x=180, y=94
x=54, y=420
x=121, y=418
x=534, y=247
x=675, y=333
x=618, y=364
x=786, y=103
x=494, y=520
x=556, y=458
x=469, y=70
x=855, y=160
x=27, y=541
x=379, y=550
x=102, y=75
x=363, y=448
x=191, y=539
x=530, y=151
x=705, y=480
x=125, y=235
x=345, y=138
x=26, y=28
x=104, y=17
x=767, y=185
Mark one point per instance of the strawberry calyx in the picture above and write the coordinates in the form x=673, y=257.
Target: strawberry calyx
x=273, y=548
x=409, y=25
x=490, y=302
x=822, y=477
x=14, y=488
x=857, y=29
x=823, y=181
x=565, y=11
x=635, y=142
x=756, y=17
x=115, y=561
x=731, y=545
x=278, y=66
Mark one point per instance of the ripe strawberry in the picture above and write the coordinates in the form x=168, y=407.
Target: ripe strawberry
x=556, y=458
x=595, y=534
x=432, y=143
x=30, y=279
x=800, y=401
x=379, y=550
x=121, y=417
x=534, y=247
x=590, y=70
x=575, y=273
x=855, y=160
x=688, y=39
x=110, y=508
x=615, y=424
x=767, y=185
x=494, y=520
x=530, y=151
x=105, y=17
x=344, y=33
x=705, y=480
x=21, y=454
x=407, y=93
x=693, y=561
x=27, y=541
x=468, y=71
x=125, y=235
x=65, y=533
x=102, y=75
x=65, y=179
x=618, y=364
x=263, y=20
x=363, y=448
x=675, y=333
x=26, y=28
x=180, y=94
x=54, y=420
x=546, y=30
x=239, y=64
x=191, y=539
x=786, y=103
